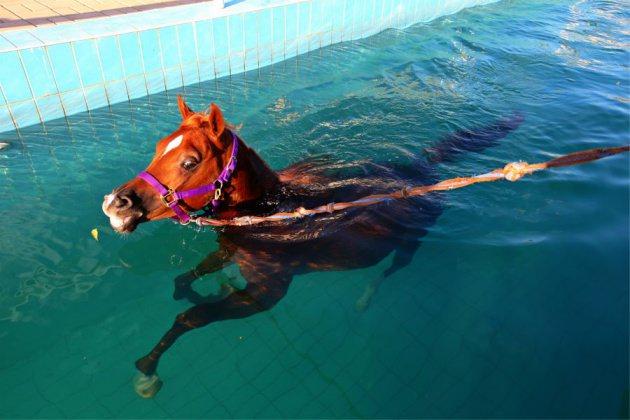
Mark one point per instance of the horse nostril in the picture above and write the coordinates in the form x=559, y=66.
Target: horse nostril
x=122, y=202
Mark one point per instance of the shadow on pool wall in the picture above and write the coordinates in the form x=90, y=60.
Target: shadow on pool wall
x=52, y=72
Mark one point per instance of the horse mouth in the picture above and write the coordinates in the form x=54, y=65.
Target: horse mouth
x=125, y=224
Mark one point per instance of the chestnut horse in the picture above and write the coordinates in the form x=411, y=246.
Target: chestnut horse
x=202, y=150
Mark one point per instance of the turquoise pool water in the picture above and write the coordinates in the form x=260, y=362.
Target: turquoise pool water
x=516, y=303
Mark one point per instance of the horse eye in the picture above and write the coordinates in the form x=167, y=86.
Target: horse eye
x=189, y=164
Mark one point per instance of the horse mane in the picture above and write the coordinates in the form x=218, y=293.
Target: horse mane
x=256, y=177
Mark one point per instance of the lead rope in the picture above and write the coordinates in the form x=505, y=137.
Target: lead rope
x=512, y=172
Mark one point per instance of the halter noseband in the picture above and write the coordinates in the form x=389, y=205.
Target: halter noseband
x=170, y=198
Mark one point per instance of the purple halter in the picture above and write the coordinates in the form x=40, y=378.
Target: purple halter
x=171, y=198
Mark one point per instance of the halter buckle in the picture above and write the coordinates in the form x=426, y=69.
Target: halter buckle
x=168, y=199
x=219, y=189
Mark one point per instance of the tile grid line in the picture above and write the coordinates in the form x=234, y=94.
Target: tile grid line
x=122, y=64
x=179, y=55
x=244, y=42
x=258, y=25
x=159, y=39
x=76, y=63
x=284, y=11
x=214, y=49
x=9, y=111
x=229, y=46
x=273, y=34
x=194, y=29
x=142, y=64
x=30, y=87
x=103, y=78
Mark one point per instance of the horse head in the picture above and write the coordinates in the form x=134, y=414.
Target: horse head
x=203, y=162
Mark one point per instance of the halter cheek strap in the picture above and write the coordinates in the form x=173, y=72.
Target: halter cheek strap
x=171, y=198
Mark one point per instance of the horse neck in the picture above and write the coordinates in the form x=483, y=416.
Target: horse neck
x=253, y=178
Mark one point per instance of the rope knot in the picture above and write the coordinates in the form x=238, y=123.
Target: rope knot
x=516, y=170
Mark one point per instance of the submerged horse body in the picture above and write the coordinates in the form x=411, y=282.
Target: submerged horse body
x=269, y=256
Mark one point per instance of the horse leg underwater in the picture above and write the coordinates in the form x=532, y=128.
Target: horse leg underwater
x=262, y=293
x=446, y=150
x=214, y=262
x=403, y=255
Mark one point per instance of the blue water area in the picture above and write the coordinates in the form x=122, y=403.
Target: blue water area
x=515, y=304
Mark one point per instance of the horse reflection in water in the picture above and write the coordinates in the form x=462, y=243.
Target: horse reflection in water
x=269, y=256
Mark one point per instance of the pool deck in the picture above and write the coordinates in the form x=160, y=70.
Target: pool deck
x=25, y=14
x=146, y=14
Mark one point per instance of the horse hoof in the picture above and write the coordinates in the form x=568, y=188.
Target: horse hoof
x=147, y=385
x=364, y=301
x=362, y=304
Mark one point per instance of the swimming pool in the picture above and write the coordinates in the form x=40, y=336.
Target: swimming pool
x=515, y=305
x=55, y=71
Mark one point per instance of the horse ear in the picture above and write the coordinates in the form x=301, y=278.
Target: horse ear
x=183, y=108
x=217, y=123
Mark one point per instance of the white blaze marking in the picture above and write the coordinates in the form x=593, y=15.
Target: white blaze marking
x=173, y=144
x=108, y=200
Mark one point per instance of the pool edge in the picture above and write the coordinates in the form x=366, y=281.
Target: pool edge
x=39, y=83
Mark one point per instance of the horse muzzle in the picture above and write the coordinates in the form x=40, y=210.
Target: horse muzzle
x=123, y=209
